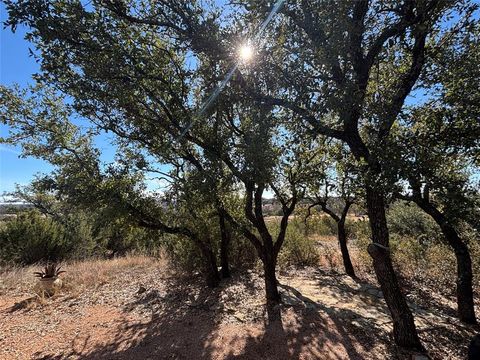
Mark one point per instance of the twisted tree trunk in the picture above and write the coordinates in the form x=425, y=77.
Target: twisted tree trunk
x=342, y=240
x=271, y=283
x=341, y=234
x=465, y=303
x=404, y=330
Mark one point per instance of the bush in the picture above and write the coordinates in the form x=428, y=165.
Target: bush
x=120, y=237
x=298, y=249
x=183, y=252
x=440, y=267
x=32, y=237
x=412, y=233
x=423, y=261
x=242, y=253
x=408, y=254
x=186, y=255
x=79, y=230
x=322, y=225
x=406, y=219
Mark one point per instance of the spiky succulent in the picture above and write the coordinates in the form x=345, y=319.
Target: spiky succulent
x=50, y=271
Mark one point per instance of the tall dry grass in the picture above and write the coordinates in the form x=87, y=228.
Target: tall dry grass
x=17, y=280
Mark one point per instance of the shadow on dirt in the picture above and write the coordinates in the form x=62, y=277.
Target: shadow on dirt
x=214, y=324
x=25, y=304
x=182, y=326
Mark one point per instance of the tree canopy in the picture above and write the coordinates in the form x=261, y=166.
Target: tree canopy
x=323, y=105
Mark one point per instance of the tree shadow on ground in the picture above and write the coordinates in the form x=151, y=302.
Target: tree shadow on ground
x=440, y=332
x=305, y=329
x=342, y=289
x=182, y=327
x=172, y=328
x=179, y=326
x=426, y=296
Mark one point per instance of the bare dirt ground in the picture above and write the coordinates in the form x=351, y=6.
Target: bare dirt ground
x=138, y=309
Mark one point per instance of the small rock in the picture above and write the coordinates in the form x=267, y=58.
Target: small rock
x=141, y=289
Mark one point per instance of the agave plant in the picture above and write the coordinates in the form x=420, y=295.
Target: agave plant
x=50, y=271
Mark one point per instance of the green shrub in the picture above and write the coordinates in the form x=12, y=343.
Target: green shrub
x=183, y=252
x=298, y=249
x=79, y=230
x=440, y=267
x=120, y=237
x=242, y=253
x=406, y=219
x=408, y=254
x=32, y=237
x=186, y=255
x=322, y=225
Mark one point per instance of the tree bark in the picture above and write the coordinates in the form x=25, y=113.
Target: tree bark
x=342, y=240
x=341, y=235
x=404, y=330
x=212, y=275
x=224, y=246
x=271, y=284
x=269, y=250
x=465, y=303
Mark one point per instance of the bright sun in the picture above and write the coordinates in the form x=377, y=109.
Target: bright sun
x=246, y=52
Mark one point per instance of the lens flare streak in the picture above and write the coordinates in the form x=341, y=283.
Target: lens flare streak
x=230, y=73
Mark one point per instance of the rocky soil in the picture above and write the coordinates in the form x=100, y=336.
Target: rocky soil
x=149, y=312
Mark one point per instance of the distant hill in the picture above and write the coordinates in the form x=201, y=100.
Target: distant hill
x=13, y=208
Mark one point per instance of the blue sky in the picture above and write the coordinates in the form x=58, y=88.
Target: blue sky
x=15, y=67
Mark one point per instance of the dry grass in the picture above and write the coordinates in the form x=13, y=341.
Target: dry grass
x=79, y=274
x=16, y=278
x=331, y=259
x=324, y=238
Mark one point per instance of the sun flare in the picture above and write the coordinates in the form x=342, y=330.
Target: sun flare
x=246, y=52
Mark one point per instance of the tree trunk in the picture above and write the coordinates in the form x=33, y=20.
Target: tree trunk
x=271, y=288
x=271, y=284
x=224, y=245
x=212, y=275
x=342, y=240
x=465, y=304
x=404, y=330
